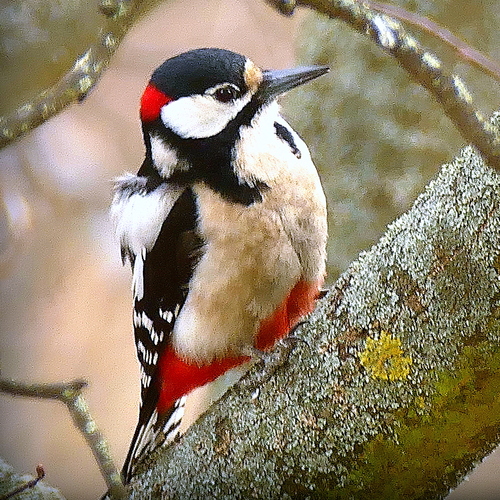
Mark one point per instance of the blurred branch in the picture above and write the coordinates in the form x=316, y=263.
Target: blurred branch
x=464, y=50
x=423, y=67
x=40, y=474
x=81, y=78
x=70, y=393
x=32, y=488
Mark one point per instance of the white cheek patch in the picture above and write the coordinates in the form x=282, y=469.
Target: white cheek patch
x=200, y=116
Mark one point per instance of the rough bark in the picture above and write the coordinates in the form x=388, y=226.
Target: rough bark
x=393, y=394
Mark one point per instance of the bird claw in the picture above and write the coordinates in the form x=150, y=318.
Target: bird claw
x=272, y=360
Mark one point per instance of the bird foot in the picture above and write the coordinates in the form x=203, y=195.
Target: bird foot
x=271, y=360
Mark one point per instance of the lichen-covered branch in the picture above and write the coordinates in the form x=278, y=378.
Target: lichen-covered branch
x=393, y=394
x=81, y=78
x=70, y=393
x=423, y=67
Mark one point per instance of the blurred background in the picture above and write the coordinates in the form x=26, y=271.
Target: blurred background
x=65, y=300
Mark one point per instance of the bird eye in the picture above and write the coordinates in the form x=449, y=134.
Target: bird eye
x=226, y=94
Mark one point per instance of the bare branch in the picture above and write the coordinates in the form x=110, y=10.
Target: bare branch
x=61, y=391
x=468, y=53
x=423, y=66
x=70, y=393
x=81, y=78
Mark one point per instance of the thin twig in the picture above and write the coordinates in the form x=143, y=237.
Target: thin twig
x=40, y=474
x=70, y=393
x=422, y=65
x=43, y=391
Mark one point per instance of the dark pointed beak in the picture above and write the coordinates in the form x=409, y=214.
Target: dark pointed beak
x=275, y=82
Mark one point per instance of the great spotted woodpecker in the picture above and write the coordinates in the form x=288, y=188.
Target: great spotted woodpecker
x=224, y=226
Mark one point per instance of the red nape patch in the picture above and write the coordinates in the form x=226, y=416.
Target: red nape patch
x=152, y=101
x=300, y=301
x=180, y=378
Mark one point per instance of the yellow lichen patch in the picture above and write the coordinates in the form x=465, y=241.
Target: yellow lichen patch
x=383, y=358
x=252, y=75
x=420, y=402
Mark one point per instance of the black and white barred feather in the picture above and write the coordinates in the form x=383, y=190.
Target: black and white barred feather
x=162, y=256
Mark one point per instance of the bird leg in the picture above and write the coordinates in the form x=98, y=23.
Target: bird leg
x=271, y=360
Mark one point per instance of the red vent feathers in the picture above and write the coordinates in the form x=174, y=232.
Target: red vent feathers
x=180, y=377
x=152, y=101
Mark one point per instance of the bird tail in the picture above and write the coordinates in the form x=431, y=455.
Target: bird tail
x=153, y=431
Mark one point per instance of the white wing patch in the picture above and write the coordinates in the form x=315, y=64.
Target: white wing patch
x=139, y=215
x=168, y=316
x=148, y=357
x=138, y=275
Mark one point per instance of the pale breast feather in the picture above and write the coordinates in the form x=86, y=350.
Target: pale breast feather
x=274, y=153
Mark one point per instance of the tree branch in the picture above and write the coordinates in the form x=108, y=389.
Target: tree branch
x=464, y=50
x=70, y=393
x=397, y=396
x=422, y=65
x=11, y=484
x=40, y=474
x=81, y=78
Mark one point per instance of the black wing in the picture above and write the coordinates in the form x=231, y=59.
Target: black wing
x=166, y=271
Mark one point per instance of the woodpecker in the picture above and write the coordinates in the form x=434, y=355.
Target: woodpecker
x=224, y=226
